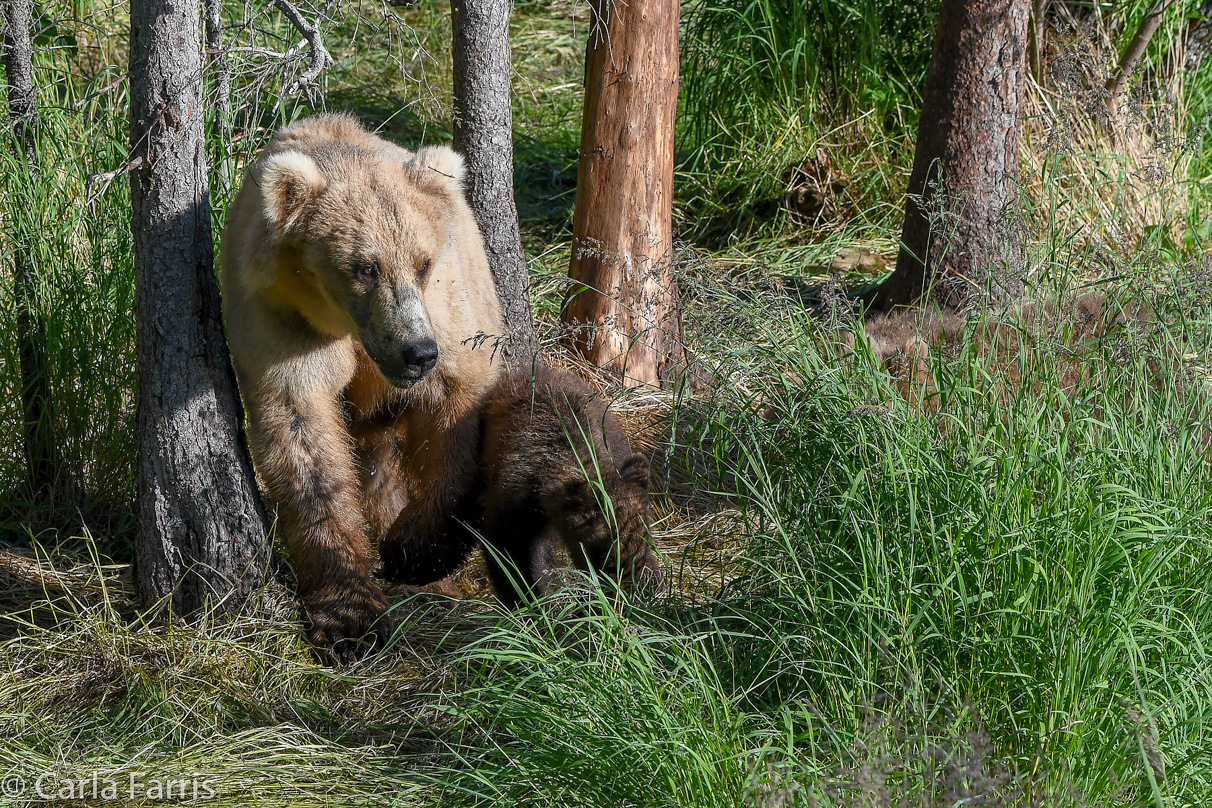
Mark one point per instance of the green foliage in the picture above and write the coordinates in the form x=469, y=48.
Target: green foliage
x=765, y=82
x=84, y=293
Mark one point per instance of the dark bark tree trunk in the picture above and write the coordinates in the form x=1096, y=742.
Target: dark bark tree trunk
x=201, y=529
x=38, y=432
x=219, y=67
x=957, y=240
x=1135, y=50
x=623, y=307
x=483, y=133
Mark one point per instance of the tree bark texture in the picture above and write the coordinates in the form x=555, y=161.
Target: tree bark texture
x=958, y=240
x=201, y=528
x=622, y=310
x=483, y=133
x=220, y=69
x=38, y=427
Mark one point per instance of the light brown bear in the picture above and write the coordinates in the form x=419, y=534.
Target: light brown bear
x=361, y=316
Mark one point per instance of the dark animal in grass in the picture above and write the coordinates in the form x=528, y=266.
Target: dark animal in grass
x=904, y=340
x=557, y=473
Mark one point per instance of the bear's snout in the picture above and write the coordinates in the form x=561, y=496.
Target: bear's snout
x=421, y=357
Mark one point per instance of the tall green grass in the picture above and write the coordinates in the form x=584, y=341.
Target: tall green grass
x=766, y=83
x=1009, y=599
x=84, y=288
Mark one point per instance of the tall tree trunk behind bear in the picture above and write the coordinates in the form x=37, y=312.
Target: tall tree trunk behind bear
x=483, y=133
x=201, y=529
x=220, y=70
x=958, y=238
x=39, y=443
x=623, y=307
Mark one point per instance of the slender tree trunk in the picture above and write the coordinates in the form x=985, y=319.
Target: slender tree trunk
x=38, y=433
x=483, y=132
x=1132, y=53
x=220, y=71
x=958, y=238
x=219, y=66
x=623, y=307
x=1136, y=49
x=1039, y=29
x=1199, y=41
x=201, y=529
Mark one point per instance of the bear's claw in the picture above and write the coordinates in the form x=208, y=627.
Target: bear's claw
x=347, y=622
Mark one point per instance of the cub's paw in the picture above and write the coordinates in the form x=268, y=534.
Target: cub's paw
x=347, y=620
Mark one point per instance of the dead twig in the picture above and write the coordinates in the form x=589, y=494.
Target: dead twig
x=106, y=178
x=321, y=59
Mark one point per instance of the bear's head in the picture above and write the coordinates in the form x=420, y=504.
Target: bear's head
x=370, y=230
x=609, y=520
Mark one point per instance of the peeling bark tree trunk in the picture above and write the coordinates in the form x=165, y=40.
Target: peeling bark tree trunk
x=201, y=529
x=483, y=133
x=38, y=437
x=958, y=240
x=623, y=307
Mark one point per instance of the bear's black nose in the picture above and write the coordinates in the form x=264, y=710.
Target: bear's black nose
x=422, y=356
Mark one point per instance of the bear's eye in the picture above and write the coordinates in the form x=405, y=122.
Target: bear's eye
x=423, y=272
x=368, y=270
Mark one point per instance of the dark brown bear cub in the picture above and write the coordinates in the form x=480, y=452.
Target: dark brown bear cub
x=557, y=472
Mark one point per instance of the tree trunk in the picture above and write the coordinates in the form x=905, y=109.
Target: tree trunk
x=1135, y=50
x=623, y=307
x=38, y=431
x=957, y=240
x=201, y=529
x=220, y=70
x=1198, y=41
x=1039, y=29
x=483, y=132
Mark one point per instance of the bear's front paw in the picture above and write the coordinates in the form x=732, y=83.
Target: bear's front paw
x=347, y=620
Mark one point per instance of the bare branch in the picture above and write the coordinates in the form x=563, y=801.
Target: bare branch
x=106, y=178
x=321, y=59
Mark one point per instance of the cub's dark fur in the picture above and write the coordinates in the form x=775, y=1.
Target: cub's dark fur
x=557, y=472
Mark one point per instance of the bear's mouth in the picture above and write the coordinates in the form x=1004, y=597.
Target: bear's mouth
x=401, y=377
x=394, y=367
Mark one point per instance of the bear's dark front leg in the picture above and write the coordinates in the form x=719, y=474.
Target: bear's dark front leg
x=431, y=538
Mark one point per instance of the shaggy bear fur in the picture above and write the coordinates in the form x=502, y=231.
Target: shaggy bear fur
x=558, y=474
x=360, y=310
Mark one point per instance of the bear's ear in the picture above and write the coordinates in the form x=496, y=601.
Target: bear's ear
x=289, y=181
x=443, y=160
x=635, y=471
